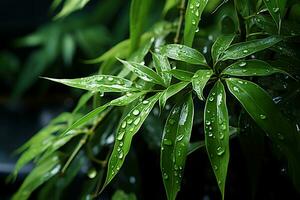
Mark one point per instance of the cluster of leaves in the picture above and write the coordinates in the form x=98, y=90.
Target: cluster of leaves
x=149, y=68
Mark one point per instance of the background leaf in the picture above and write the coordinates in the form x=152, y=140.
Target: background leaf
x=192, y=17
x=175, y=144
x=221, y=44
x=216, y=127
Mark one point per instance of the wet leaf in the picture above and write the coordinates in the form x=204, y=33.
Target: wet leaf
x=183, y=53
x=244, y=49
x=171, y=91
x=122, y=101
x=251, y=68
x=267, y=115
x=200, y=80
x=216, y=128
x=162, y=65
x=143, y=72
x=181, y=74
x=276, y=10
x=175, y=144
x=40, y=174
x=221, y=44
x=98, y=83
x=129, y=126
x=192, y=18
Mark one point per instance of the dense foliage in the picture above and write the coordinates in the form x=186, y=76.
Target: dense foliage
x=240, y=62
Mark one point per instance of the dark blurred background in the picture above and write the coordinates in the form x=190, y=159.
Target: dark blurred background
x=32, y=44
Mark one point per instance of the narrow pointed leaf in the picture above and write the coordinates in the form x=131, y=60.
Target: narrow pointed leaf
x=175, y=145
x=82, y=101
x=221, y=45
x=264, y=112
x=171, y=91
x=162, y=65
x=192, y=18
x=40, y=174
x=183, y=53
x=243, y=49
x=181, y=74
x=169, y=5
x=200, y=80
x=143, y=72
x=98, y=83
x=195, y=146
x=216, y=127
x=71, y=6
x=129, y=126
x=251, y=68
x=122, y=101
x=138, y=17
x=276, y=10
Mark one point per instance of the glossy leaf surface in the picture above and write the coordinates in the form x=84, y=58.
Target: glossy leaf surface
x=276, y=10
x=181, y=74
x=216, y=128
x=98, y=83
x=200, y=80
x=183, y=53
x=171, y=91
x=192, y=18
x=175, y=144
x=162, y=65
x=244, y=49
x=129, y=126
x=251, y=68
x=221, y=44
x=143, y=72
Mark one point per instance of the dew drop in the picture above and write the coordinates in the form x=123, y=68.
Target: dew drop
x=221, y=136
x=262, y=116
x=92, y=173
x=136, y=112
x=129, y=121
x=242, y=64
x=145, y=102
x=207, y=122
x=123, y=125
x=275, y=9
x=121, y=155
x=215, y=167
x=180, y=137
x=245, y=51
x=165, y=176
x=210, y=134
x=220, y=151
x=110, y=79
x=211, y=99
x=121, y=135
x=137, y=121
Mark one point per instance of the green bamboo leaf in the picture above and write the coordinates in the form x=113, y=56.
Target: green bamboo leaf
x=221, y=45
x=82, y=101
x=195, y=146
x=263, y=110
x=217, y=133
x=175, y=144
x=169, y=5
x=192, y=18
x=162, y=65
x=143, y=72
x=138, y=17
x=243, y=49
x=129, y=126
x=276, y=10
x=171, y=91
x=200, y=80
x=139, y=55
x=40, y=174
x=71, y=6
x=183, y=53
x=121, y=101
x=98, y=83
x=181, y=74
x=251, y=68
x=267, y=115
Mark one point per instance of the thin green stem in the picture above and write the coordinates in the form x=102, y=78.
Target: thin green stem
x=181, y=11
